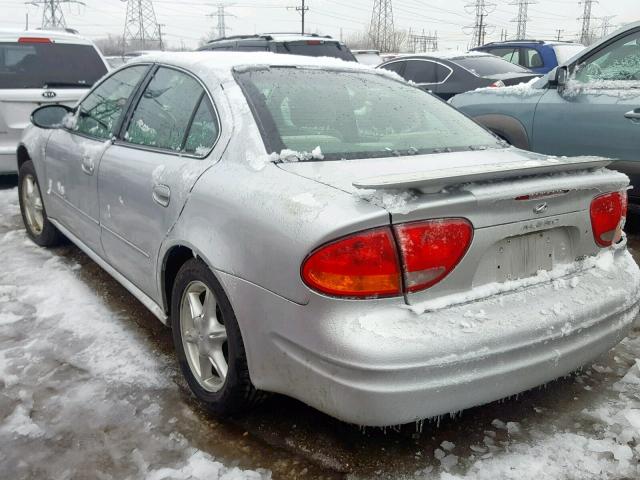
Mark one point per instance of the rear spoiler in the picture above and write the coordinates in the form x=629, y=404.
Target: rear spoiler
x=435, y=180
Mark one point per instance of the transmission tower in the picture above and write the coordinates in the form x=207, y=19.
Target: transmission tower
x=381, y=31
x=423, y=43
x=523, y=17
x=141, y=29
x=586, y=35
x=221, y=15
x=52, y=14
x=605, y=25
x=481, y=9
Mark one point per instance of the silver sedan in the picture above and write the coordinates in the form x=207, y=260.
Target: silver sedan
x=318, y=229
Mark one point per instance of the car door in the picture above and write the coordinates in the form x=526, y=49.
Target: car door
x=73, y=154
x=598, y=112
x=166, y=143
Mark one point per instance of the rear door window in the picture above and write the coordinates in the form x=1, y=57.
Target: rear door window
x=510, y=54
x=532, y=58
x=163, y=114
x=49, y=65
x=99, y=114
x=204, y=129
x=420, y=71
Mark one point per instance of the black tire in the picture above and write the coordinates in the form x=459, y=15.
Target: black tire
x=49, y=235
x=237, y=394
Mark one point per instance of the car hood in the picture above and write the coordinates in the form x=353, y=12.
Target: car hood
x=435, y=171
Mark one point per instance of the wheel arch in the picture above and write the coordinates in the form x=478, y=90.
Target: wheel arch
x=506, y=127
x=23, y=155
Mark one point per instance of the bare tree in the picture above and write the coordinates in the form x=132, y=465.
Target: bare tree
x=110, y=45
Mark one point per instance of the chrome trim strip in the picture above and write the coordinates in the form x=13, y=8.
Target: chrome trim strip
x=67, y=202
x=135, y=291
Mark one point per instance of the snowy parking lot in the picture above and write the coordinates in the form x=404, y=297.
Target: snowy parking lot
x=89, y=388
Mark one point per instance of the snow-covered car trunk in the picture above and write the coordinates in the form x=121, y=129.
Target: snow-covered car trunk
x=492, y=224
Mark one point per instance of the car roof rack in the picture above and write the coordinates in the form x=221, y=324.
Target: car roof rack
x=526, y=41
x=266, y=36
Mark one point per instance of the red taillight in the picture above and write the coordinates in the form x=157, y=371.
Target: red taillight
x=34, y=40
x=366, y=264
x=497, y=84
x=361, y=266
x=431, y=250
x=314, y=42
x=608, y=214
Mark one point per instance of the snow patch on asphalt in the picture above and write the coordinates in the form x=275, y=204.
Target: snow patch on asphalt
x=81, y=389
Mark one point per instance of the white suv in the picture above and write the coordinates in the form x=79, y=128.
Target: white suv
x=37, y=68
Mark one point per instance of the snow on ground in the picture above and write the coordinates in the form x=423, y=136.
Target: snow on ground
x=81, y=392
x=84, y=393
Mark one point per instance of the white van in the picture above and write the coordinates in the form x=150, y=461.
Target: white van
x=38, y=67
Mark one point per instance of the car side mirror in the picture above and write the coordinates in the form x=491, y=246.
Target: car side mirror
x=50, y=116
x=559, y=77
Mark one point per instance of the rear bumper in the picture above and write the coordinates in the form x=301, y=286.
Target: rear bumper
x=8, y=161
x=385, y=365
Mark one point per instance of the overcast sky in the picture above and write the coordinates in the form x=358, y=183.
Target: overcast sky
x=187, y=21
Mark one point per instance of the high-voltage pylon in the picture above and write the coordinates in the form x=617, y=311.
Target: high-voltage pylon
x=382, y=31
x=481, y=9
x=523, y=17
x=52, y=14
x=605, y=25
x=141, y=29
x=423, y=43
x=221, y=15
x=586, y=35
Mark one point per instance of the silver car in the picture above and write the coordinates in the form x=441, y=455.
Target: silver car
x=322, y=230
x=39, y=67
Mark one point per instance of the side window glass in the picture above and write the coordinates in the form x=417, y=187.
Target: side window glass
x=204, y=130
x=619, y=61
x=419, y=71
x=162, y=116
x=99, y=113
x=533, y=58
x=442, y=73
x=394, y=67
x=509, y=54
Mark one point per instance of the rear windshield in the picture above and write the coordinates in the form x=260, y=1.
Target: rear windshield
x=488, y=65
x=52, y=65
x=354, y=115
x=316, y=48
x=566, y=52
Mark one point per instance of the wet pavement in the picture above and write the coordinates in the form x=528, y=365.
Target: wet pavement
x=102, y=402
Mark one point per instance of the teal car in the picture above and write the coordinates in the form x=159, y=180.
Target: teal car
x=590, y=105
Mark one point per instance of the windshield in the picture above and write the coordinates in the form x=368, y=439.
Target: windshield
x=488, y=65
x=566, y=52
x=316, y=48
x=354, y=115
x=53, y=65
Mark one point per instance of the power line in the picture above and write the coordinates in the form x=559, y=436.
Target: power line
x=423, y=43
x=481, y=9
x=382, y=31
x=523, y=17
x=52, y=14
x=221, y=16
x=586, y=35
x=141, y=29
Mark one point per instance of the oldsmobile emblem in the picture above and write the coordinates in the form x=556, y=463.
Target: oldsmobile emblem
x=49, y=94
x=540, y=208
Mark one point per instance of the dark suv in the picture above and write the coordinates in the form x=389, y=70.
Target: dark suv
x=311, y=45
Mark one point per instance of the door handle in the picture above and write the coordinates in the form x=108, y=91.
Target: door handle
x=162, y=195
x=633, y=115
x=87, y=166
